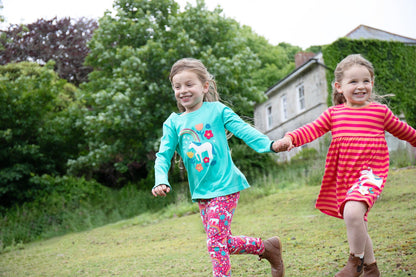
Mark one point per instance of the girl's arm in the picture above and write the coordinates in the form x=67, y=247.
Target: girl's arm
x=251, y=136
x=311, y=131
x=399, y=129
x=167, y=148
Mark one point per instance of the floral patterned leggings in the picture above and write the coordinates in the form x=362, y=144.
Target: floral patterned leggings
x=217, y=214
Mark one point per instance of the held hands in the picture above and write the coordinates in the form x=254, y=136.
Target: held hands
x=284, y=144
x=160, y=190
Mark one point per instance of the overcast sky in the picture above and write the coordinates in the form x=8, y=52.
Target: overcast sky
x=298, y=22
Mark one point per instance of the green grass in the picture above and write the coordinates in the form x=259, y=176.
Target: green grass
x=160, y=245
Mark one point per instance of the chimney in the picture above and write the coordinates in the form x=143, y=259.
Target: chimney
x=303, y=57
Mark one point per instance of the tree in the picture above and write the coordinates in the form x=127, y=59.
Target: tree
x=129, y=95
x=276, y=60
x=1, y=7
x=63, y=40
x=38, y=133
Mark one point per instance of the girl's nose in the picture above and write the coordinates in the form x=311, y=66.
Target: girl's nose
x=181, y=89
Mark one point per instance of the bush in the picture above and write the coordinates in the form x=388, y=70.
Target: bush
x=59, y=209
x=37, y=128
x=69, y=204
x=251, y=163
x=402, y=157
x=310, y=166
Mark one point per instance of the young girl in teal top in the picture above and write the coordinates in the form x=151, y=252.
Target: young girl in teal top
x=198, y=134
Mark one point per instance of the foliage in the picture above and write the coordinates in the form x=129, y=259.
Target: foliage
x=129, y=95
x=276, y=61
x=402, y=157
x=37, y=130
x=306, y=154
x=314, y=48
x=45, y=126
x=251, y=163
x=1, y=16
x=63, y=40
x=394, y=66
x=69, y=204
x=310, y=165
x=60, y=204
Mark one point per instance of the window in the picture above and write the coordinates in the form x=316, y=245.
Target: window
x=301, y=97
x=284, y=107
x=269, y=117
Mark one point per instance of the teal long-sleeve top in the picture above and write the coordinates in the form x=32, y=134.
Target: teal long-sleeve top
x=200, y=139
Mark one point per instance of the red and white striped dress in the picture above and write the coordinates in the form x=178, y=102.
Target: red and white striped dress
x=357, y=162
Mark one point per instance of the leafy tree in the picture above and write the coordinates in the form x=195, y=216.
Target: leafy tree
x=37, y=130
x=63, y=40
x=1, y=7
x=129, y=95
x=276, y=61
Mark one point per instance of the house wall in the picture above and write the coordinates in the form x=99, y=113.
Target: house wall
x=312, y=77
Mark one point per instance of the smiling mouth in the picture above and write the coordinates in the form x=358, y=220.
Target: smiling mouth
x=186, y=98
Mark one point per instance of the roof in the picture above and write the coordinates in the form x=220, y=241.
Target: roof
x=315, y=60
x=367, y=32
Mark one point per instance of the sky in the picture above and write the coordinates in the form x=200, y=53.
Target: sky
x=298, y=22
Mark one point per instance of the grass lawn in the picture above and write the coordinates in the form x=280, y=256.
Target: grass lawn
x=314, y=244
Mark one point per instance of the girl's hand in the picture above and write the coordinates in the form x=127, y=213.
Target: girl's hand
x=284, y=144
x=160, y=190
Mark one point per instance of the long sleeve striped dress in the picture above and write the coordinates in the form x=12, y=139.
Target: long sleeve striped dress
x=357, y=162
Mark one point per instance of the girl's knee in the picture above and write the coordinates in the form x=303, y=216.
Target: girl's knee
x=354, y=211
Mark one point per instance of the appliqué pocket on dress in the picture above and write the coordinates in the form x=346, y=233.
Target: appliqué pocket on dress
x=367, y=183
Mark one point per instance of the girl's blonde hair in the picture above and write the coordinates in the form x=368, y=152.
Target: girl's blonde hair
x=201, y=71
x=345, y=64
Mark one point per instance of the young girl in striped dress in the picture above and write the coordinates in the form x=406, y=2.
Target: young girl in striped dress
x=357, y=162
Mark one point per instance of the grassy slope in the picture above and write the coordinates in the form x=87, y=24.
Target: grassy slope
x=314, y=244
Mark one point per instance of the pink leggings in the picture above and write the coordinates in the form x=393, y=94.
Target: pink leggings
x=217, y=214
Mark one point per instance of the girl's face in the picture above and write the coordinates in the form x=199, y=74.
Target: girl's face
x=189, y=90
x=356, y=86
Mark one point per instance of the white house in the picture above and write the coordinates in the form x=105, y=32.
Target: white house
x=301, y=96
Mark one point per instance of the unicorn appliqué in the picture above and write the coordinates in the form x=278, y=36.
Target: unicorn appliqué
x=367, y=176
x=200, y=149
x=201, y=154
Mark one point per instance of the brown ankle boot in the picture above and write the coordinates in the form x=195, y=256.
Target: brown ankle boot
x=273, y=253
x=354, y=267
x=371, y=270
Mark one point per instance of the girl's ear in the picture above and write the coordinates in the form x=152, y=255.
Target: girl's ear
x=206, y=87
x=338, y=87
